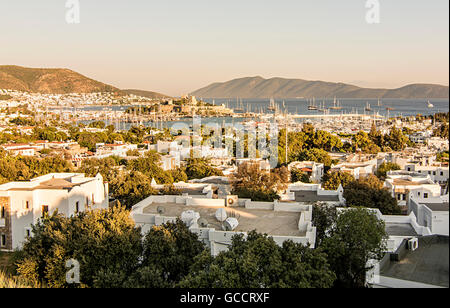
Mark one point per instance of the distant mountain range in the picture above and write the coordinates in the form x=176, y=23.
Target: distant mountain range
x=57, y=81
x=148, y=94
x=258, y=87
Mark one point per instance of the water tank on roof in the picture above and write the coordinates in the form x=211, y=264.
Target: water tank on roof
x=221, y=214
x=190, y=217
x=230, y=224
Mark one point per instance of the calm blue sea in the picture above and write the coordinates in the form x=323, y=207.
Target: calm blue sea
x=403, y=107
x=397, y=107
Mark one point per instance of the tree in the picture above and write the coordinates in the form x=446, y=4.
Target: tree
x=253, y=183
x=97, y=124
x=396, y=140
x=258, y=262
x=316, y=155
x=199, y=168
x=149, y=166
x=298, y=175
x=323, y=218
x=172, y=249
x=102, y=240
x=356, y=237
x=385, y=168
x=131, y=187
x=369, y=192
x=332, y=179
x=363, y=142
x=441, y=131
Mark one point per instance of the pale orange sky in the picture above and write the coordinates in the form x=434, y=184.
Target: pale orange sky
x=176, y=46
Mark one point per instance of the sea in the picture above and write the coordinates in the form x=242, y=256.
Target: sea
x=386, y=108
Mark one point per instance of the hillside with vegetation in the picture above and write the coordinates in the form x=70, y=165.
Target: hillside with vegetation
x=258, y=87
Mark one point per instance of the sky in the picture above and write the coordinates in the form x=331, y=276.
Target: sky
x=177, y=46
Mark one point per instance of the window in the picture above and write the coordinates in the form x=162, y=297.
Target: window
x=442, y=173
x=77, y=207
x=425, y=195
x=418, y=193
x=27, y=232
x=3, y=212
x=3, y=240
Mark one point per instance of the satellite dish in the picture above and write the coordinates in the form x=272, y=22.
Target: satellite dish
x=230, y=224
x=203, y=223
x=221, y=215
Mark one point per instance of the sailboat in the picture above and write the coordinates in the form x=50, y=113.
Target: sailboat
x=430, y=105
x=312, y=106
x=272, y=106
x=239, y=105
x=322, y=107
x=368, y=107
x=336, y=105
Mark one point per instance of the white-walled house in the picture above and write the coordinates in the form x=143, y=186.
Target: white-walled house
x=283, y=221
x=314, y=170
x=357, y=170
x=421, y=187
x=438, y=174
x=434, y=214
x=23, y=203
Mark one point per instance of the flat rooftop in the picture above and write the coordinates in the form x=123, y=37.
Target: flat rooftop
x=399, y=229
x=263, y=221
x=428, y=264
x=438, y=207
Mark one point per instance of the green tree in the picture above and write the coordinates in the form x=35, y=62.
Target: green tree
x=298, y=175
x=199, y=168
x=172, y=248
x=253, y=183
x=258, y=262
x=131, y=187
x=396, y=140
x=332, y=179
x=102, y=240
x=384, y=168
x=356, y=237
x=369, y=192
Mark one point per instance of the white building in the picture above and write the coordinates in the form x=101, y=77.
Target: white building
x=311, y=193
x=116, y=149
x=437, y=174
x=421, y=187
x=357, y=170
x=23, y=203
x=281, y=220
x=314, y=170
x=432, y=215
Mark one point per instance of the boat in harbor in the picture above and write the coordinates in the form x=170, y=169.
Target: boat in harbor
x=336, y=105
x=272, y=106
x=239, y=106
x=322, y=108
x=312, y=105
x=430, y=105
x=368, y=107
